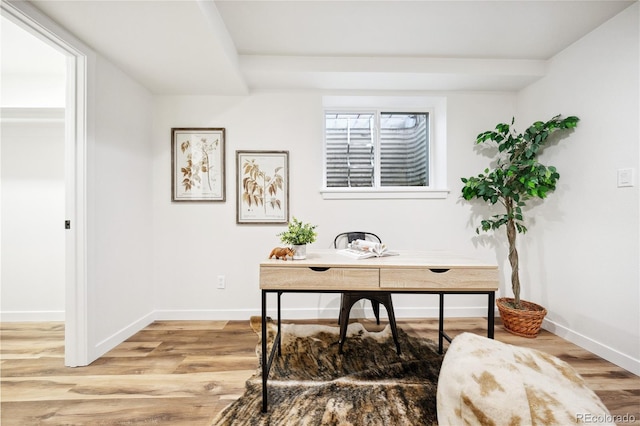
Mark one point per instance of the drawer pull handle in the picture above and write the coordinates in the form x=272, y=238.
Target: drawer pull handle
x=318, y=268
x=439, y=271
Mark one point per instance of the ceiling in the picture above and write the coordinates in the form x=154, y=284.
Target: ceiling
x=205, y=47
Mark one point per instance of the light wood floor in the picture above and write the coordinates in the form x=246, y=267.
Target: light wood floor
x=184, y=372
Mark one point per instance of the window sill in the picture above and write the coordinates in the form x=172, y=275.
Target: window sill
x=381, y=194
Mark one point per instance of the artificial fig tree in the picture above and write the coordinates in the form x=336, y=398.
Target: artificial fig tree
x=516, y=177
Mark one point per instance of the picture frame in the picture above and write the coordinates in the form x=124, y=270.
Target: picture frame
x=262, y=187
x=198, y=164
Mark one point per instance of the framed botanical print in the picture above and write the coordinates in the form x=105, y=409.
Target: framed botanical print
x=262, y=179
x=197, y=164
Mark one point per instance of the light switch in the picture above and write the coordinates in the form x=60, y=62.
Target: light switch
x=625, y=177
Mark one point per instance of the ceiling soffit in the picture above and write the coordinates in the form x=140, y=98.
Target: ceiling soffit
x=192, y=47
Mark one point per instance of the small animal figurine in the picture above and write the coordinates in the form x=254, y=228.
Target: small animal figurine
x=281, y=253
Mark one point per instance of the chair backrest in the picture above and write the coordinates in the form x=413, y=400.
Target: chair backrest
x=344, y=238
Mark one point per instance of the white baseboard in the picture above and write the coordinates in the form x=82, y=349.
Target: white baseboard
x=597, y=348
x=205, y=314
x=31, y=316
x=120, y=336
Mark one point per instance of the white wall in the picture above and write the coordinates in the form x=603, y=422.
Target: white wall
x=119, y=223
x=33, y=259
x=195, y=242
x=33, y=72
x=34, y=90
x=581, y=256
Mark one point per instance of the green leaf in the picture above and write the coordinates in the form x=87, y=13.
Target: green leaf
x=515, y=175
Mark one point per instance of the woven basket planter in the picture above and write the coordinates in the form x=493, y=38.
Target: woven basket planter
x=521, y=322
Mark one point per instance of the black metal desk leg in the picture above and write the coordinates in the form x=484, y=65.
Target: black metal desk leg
x=491, y=315
x=265, y=369
x=441, y=324
x=279, y=325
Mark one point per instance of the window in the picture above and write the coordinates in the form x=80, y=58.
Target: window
x=377, y=149
x=383, y=152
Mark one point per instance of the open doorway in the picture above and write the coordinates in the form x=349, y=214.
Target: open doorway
x=32, y=177
x=75, y=58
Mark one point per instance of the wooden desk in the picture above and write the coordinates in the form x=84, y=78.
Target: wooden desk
x=326, y=271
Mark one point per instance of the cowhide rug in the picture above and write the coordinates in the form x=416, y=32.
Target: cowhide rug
x=369, y=384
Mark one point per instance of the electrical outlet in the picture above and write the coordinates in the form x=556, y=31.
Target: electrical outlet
x=625, y=177
x=221, y=282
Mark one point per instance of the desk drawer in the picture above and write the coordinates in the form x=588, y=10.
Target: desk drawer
x=439, y=279
x=293, y=278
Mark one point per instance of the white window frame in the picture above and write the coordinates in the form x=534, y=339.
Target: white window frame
x=436, y=106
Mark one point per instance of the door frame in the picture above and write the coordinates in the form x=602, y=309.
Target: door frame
x=77, y=131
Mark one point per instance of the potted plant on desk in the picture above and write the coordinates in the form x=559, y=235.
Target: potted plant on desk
x=516, y=178
x=298, y=235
